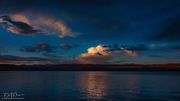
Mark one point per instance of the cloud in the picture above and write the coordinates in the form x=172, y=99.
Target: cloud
x=103, y=54
x=99, y=49
x=130, y=52
x=21, y=24
x=56, y=26
x=165, y=47
x=97, y=16
x=43, y=48
x=18, y=60
x=62, y=12
x=18, y=27
x=154, y=56
x=95, y=55
x=20, y=17
x=1, y=50
x=138, y=47
x=87, y=58
x=67, y=46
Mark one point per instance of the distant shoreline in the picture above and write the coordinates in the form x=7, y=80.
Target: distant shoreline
x=98, y=67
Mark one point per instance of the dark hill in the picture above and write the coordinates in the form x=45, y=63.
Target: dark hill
x=98, y=67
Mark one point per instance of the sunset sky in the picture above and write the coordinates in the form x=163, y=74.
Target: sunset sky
x=89, y=31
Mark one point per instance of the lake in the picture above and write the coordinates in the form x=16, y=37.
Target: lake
x=89, y=86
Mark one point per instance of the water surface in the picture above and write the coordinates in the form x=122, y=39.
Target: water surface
x=92, y=86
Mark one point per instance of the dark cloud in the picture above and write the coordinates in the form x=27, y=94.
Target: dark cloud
x=67, y=46
x=18, y=60
x=43, y=48
x=170, y=30
x=154, y=56
x=2, y=50
x=172, y=48
x=139, y=47
x=165, y=47
x=176, y=47
x=17, y=26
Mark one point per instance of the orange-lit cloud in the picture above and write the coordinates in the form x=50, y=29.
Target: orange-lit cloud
x=88, y=58
x=15, y=30
x=130, y=52
x=21, y=18
x=102, y=54
x=56, y=26
x=22, y=24
x=95, y=55
x=18, y=27
x=100, y=49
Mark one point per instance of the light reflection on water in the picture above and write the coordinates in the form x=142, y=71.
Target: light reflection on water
x=92, y=86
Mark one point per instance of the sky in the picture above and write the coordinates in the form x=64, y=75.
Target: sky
x=89, y=31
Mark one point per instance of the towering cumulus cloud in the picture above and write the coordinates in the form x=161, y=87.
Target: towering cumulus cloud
x=99, y=50
x=103, y=54
x=95, y=55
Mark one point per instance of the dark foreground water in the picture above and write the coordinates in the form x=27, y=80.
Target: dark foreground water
x=89, y=86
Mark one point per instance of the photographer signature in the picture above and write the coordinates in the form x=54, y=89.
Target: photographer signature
x=12, y=96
